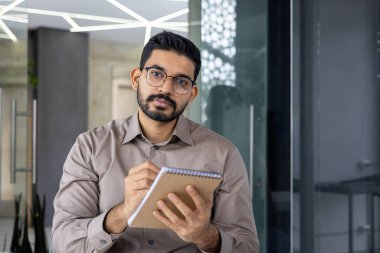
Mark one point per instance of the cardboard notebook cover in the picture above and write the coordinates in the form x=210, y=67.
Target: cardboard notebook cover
x=173, y=180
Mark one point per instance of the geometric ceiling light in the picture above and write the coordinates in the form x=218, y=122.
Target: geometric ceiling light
x=110, y=23
x=140, y=22
x=6, y=33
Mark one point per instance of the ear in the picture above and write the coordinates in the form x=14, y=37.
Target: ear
x=193, y=93
x=135, y=77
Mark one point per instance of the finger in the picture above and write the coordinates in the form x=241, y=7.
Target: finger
x=172, y=217
x=199, y=202
x=180, y=205
x=144, y=174
x=143, y=184
x=146, y=165
x=140, y=194
x=162, y=218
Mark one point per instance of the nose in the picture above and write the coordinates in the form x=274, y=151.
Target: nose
x=167, y=86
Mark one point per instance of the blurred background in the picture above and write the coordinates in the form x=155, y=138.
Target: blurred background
x=295, y=85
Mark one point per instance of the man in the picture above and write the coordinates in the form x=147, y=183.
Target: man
x=109, y=170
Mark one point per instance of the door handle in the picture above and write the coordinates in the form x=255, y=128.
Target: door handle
x=34, y=141
x=365, y=164
x=13, y=150
x=13, y=142
x=251, y=145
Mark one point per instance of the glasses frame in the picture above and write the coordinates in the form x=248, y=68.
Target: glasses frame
x=166, y=77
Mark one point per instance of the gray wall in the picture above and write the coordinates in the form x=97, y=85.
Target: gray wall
x=62, y=69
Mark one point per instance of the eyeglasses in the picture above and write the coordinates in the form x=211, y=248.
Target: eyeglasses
x=156, y=77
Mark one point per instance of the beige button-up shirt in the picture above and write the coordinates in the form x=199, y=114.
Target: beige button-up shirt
x=93, y=182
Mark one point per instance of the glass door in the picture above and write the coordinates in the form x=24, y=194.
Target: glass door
x=15, y=119
x=234, y=87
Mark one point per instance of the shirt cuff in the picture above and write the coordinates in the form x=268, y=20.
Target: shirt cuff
x=205, y=251
x=98, y=237
x=226, y=243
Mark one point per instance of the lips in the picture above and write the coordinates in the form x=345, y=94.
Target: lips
x=161, y=102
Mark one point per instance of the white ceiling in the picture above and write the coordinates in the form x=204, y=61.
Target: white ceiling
x=147, y=9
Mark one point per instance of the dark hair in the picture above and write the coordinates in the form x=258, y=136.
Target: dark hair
x=169, y=41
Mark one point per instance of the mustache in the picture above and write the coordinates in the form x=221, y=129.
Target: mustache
x=162, y=96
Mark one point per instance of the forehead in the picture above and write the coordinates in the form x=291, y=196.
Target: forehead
x=172, y=62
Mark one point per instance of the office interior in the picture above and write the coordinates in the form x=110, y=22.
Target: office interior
x=294, y=84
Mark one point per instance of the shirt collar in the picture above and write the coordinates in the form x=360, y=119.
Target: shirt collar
x=181, y=130
x=133, y=128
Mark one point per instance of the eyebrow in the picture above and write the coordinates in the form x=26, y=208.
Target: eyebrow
x=163, y=69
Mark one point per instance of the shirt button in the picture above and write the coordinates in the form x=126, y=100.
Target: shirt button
x=156, y=147
x=151, y=242
x=103, y=241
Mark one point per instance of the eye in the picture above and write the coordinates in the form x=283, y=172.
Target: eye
x=182, y=81
x=157, y=73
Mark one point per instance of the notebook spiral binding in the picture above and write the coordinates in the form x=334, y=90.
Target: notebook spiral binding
x=194, y=173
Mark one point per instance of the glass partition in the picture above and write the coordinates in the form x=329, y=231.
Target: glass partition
x=234, y=87
x=15, y=117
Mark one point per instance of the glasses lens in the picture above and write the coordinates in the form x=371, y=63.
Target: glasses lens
x=182, y=85
x=156, y=77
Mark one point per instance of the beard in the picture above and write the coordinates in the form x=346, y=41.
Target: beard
x=158, y=114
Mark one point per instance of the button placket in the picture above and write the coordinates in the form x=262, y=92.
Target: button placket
x=153, y=148
x=150, y=241
x=157, y=155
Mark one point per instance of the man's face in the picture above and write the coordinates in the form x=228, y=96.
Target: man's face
x=163, y=103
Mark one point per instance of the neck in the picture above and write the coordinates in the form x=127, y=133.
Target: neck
x=155, y=131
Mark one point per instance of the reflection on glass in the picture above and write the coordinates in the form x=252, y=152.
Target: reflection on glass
x=219, y=25
x=218, y=46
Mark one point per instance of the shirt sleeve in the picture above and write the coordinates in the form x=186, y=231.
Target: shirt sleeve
x=77, y=222
x=233, y=212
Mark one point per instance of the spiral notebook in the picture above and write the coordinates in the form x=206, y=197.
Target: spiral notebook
x=173, y=180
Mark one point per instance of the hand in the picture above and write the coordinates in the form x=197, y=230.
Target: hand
x=195, y=226
x=136, y=185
